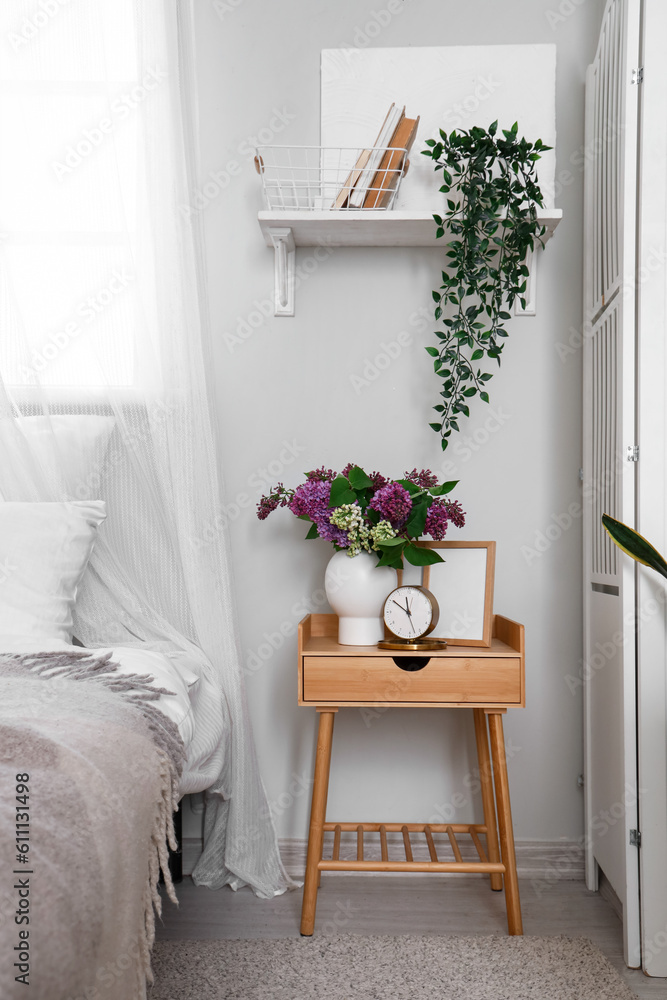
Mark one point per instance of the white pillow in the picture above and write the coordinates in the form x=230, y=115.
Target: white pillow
x=44, y=550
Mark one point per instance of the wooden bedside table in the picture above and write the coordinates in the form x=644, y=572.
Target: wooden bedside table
x=489, y=681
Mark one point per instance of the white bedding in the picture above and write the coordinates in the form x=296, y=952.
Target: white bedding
x=193, y=696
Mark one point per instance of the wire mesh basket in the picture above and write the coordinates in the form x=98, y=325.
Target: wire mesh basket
x=319, y=178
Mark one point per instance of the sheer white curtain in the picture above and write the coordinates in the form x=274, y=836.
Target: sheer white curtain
x=102, y=362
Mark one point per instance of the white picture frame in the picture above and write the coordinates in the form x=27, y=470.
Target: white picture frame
x=463, y=588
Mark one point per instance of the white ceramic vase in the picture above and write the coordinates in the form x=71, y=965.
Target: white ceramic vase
x=356, y=588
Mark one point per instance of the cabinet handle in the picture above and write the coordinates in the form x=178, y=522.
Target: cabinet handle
x=411, y=663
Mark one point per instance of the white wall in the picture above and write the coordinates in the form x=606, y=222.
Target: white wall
x=290, y=382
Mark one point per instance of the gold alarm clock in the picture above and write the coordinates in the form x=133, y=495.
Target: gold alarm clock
x=410, y=614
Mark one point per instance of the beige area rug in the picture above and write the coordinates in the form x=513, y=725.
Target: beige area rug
x=350, y=967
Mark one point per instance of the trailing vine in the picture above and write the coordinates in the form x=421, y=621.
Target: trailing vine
x=491, y=221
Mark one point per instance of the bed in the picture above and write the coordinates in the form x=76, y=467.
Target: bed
x=96, y=749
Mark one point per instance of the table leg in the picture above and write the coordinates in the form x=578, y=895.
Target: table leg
x=488, y=801
x=318, y=810
x=514, y=922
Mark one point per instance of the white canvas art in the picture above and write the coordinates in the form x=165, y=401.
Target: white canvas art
x=453, y=87
x=458, y=584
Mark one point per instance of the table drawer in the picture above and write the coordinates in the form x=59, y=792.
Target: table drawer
x=378, y=679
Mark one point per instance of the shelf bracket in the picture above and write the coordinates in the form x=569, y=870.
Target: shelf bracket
x=531, y=287
x=284, y=273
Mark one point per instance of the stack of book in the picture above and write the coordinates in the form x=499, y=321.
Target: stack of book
x=378, y=170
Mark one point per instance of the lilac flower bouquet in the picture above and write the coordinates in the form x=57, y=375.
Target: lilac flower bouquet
x=360, y=512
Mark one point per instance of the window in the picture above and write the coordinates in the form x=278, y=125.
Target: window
x=72, y=312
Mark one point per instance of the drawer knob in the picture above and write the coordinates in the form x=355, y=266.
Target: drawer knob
x=411, y=663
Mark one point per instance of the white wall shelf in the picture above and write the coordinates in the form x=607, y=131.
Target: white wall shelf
x=287, y=229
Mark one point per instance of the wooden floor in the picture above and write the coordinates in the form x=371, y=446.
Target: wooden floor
x=398, y=904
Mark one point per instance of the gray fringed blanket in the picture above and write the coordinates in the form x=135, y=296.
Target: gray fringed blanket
x=89, y=777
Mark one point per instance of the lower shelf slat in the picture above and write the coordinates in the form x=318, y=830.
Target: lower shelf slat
x=464, y=867
x=411, y=827
x=362, y=864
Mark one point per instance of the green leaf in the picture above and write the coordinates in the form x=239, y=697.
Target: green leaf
x=358, y=478
x=408, y=485
x=438, y=491
x=419, y=555
x=390, y=543
x=417, y=521
x=312, y=532
x=391, y=559
x=341, y=492
x=433, y=351
x=634, y=544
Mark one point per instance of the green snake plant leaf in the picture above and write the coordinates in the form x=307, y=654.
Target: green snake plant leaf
x=634, y=544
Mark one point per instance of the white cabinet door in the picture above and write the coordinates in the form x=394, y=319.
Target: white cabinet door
x=610, y=684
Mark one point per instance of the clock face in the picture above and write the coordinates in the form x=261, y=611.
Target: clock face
x=410, y=612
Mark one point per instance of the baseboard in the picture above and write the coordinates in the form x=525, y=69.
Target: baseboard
x=549, y=861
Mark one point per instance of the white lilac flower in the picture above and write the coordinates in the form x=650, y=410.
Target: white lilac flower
x=382, y=532
x=349, y=517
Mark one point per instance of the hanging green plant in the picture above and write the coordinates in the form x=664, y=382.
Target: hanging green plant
x=491, y=222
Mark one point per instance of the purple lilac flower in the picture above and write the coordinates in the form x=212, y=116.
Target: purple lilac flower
x=331, y=533
x=311, y=499
x=393, y=503
x=456, y=515
x=278, y=497
x=437, y=520
x=378, y=480
x=425, y=479
x=440, y=513
x=321, y=475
